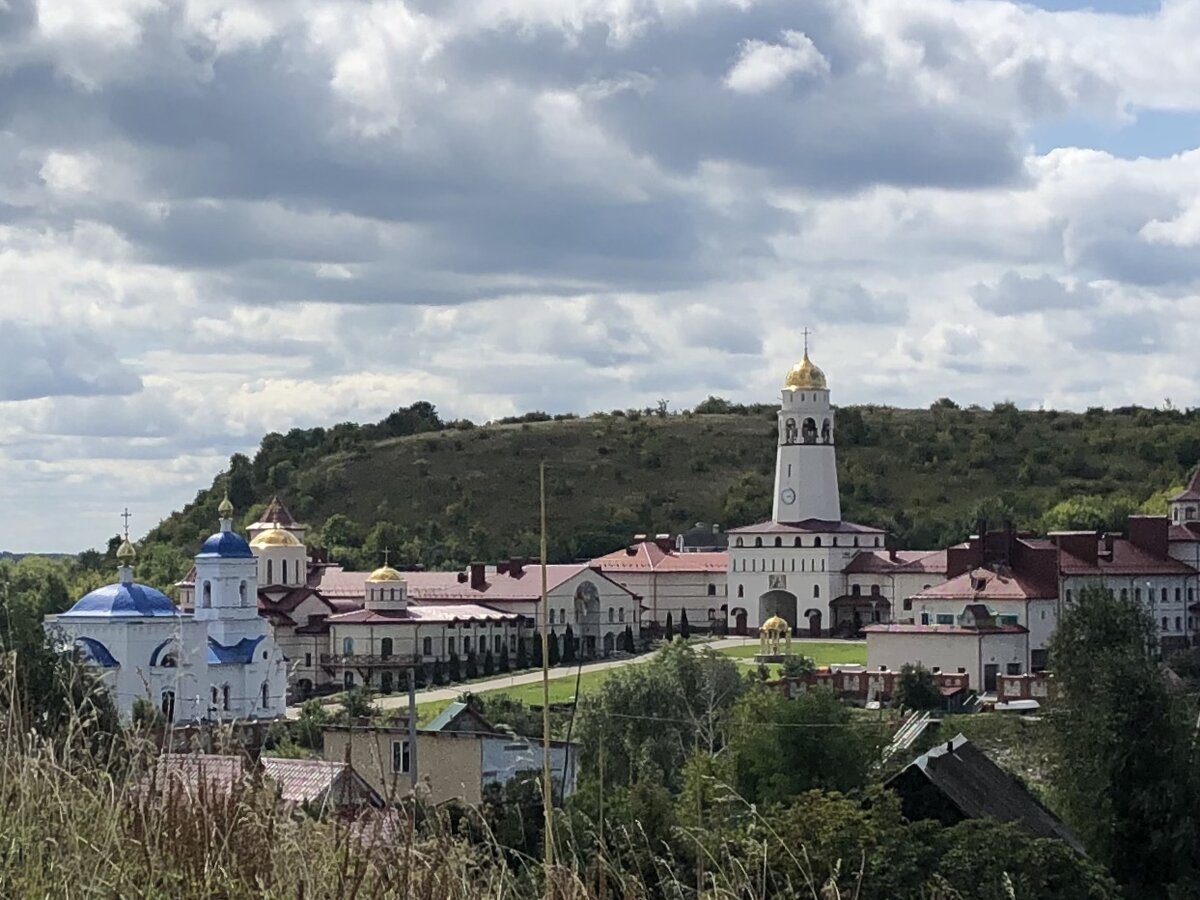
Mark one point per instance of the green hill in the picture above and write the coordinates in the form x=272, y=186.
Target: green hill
x=442, y=494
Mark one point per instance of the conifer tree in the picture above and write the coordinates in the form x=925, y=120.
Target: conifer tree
x=537, y=650
x=552, y=649
x=523, y=652
x=472, y=665
x=503, y=661
x=685, y=630
x=489, y=664
x=670, y=630
x=568, y=649
x=455, y=667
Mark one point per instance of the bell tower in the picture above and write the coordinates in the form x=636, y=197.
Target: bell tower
x=806, y=485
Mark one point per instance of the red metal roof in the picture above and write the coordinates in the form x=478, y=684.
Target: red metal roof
x=648, y=556
x=956, y=630
x=1127, y=559
x=1189, y=532
x=424, y=615
x=880, y=562
x=807, y=526
x=985, y=585
x=1192, y=491
x=275, y=514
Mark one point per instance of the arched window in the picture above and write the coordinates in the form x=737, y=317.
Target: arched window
x=1137, y=595
x=348, y=646
x=1178, y=624
x=270, y=572
x=1164, y=595
x=758, y=542
x=738, y=543
x=206, y=602
x=427, y=646
x=266, y=695
x=168, y=705
x=741, y=591
x=822, y=565
x=856, y=542
x=214, y=697
x=1165, y=626
x=816, y=590
x=225, y=697
x=285, y=567
x=621, y=614
x=1068, y=595
x=467, y=640
x=385, y=648
x=817, y=541
x=1178, y=595
x=712, y=590
x=877, y=542
x=778, y=542
x=1124, y=593
x=612, y=615
x=855, y=590
x=835, y=543
x=797, y=543
x=242, y=592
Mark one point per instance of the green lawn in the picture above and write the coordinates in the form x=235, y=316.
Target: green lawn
x=562, y=689
x=824, y=653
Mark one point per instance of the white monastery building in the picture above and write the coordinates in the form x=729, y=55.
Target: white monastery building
x=219, y=662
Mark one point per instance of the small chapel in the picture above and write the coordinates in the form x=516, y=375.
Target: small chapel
x=219, y=662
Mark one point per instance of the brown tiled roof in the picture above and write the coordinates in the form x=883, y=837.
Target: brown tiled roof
x=648, y=556
x=1192, y=491
x=431, y=586
x=275, y=514
x=1127, y=559
x=306, y=780
x=1189, y=532
x=985, y=585
x=807, y=526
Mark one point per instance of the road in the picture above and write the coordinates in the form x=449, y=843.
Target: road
x=441, y=695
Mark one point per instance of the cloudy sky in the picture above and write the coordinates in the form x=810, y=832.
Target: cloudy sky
x=223, y=217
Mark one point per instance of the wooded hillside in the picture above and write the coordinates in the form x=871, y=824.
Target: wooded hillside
x=440, y=494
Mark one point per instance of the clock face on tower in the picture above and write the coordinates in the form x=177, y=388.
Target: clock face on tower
x=787, y=495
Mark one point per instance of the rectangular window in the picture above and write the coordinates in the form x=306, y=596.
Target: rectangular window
x=1014, y=668
x=449, y=645
x=307, y=659
x=1009, y=620
x=400, y=756
x=945, y=619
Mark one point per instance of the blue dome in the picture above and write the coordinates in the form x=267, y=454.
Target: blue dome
x=131, y=600
x=227, y=545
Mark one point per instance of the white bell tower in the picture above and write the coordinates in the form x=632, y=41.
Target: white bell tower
x=806, y=485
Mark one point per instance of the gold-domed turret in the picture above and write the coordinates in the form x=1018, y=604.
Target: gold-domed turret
x=384, y=575
x=276, y=537
x=126, y=553
x=225, y=510
x=805, y=376
x=776, y=623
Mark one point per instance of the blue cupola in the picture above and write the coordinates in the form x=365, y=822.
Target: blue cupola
x=226, y=543
x=125, y=598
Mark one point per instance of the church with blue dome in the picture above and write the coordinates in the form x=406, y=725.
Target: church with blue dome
x=216, y=663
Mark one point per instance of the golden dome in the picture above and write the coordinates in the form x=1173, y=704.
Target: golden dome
x=126, y=553
x=276, y=537
x=805, y=376
x=225, y=510
x=383, y=575
x=776, y=623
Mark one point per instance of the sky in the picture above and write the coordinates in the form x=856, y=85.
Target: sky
x=220, y=218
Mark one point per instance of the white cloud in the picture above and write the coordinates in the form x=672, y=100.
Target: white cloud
x=761, y=66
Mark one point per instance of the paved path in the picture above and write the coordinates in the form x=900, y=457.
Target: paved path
x=446, y=694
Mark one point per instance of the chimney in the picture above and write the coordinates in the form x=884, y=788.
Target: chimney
x=1149, y=533
x=1108, y=544
x=477, y=576
x=631, y=550
x=639, y=538
x=716, y=528
x=664, y=542
x=502, y=567
x=1083, y=545
x=516, y=567
x=462, y=577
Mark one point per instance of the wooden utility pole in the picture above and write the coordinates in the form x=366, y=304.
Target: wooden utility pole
x=412, y=728
x=547, y=784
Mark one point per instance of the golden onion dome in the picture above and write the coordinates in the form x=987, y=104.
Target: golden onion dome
x=276, y=537
x=383, y=575
x=225, y=510
x=776, y=623
x=805, y=376
x=126, y=553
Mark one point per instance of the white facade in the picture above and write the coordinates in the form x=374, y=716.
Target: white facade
x=218, y=663
x=979, y=654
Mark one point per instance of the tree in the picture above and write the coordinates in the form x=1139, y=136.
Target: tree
x=552, y=657
x=503, y=661
x=916, y=688
x=568, y=648
x=438, y=675
x=629, y=647
x=357, y=704
x=1125, y=762
x=783, y=746
x=472, y=665
x=795, y=666
x=454, y=667
x=669, y=631
x=685, y=630
x=537, y=650
x=309, y=729
x=523, y=653
x=489, y=664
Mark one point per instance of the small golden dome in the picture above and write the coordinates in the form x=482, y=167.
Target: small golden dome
x=126, y=553
x=276, y=537
x=225, y=510
x=384, y=574
x=805, y=376
x=776, y=623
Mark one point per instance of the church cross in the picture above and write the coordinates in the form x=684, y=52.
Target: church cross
x=386, y=551
x=806, y=333
x=125, y=516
